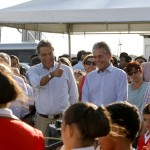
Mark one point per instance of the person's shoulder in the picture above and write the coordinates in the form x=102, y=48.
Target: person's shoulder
x=76, y=65
x=146, y=83
x=35, y=67
x=118, y=70
x=92, y=74
x=17, y=78
x=66, y=68
x=24, y=127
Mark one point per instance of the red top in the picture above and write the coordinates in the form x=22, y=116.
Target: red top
x=81, y=85
x=17, y=135
x=142, y=143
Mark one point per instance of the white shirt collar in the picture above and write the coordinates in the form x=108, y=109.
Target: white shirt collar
x=54, y=65
x=5, y=112
x=147, y=136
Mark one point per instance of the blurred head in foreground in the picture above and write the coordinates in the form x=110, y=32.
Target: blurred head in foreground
x=82, y=123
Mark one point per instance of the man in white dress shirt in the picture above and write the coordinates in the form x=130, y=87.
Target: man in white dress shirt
x=106, y=85
x=55, y=85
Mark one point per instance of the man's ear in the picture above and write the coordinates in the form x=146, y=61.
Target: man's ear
x=110, y=55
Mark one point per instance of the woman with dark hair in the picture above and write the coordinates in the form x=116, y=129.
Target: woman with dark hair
x=137, y=87
x=82, y=123
x=114, y=61
x=15, y=134
x=125, y=127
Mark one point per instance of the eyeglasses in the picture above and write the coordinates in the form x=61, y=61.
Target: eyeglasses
x=133, y=72
x=90, y=63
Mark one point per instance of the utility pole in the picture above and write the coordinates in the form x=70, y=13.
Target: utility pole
x=119, y=45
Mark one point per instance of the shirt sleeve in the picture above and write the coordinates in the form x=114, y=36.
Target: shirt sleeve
x=85, y=91
x=72, y=87
x=122, y=91
x=21, y=83
x=34, y=77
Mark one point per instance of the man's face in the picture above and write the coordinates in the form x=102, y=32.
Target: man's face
x=102, y=58
x=122, y=62
x=47, y=57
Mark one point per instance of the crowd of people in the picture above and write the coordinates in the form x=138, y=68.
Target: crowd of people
x=104, y=104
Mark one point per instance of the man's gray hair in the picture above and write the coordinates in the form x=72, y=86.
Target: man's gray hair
x=102, y=45
x=44, y=43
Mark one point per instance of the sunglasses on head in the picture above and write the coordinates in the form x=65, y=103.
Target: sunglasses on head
x=133, y=72
x=90, y=63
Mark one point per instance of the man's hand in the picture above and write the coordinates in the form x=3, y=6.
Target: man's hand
x=58, y=71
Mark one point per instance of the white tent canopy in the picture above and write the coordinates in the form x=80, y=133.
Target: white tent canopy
x=70, y=16
x=79, y=16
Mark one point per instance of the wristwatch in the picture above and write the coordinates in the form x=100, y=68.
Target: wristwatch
x=49, y=76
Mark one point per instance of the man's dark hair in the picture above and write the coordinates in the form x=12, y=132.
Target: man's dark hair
x=146, y=109
x=141, y=57
x=35, y=60
x=74, y=61
x=79, y=54
x=43, y=43
x=123, y=54
x=33, y=55
x=127, y=58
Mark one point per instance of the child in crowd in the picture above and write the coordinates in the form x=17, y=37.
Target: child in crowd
x=145, y=138
x=82, y=123
x=125, y=128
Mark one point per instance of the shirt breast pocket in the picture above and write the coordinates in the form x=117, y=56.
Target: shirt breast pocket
x=60, y=81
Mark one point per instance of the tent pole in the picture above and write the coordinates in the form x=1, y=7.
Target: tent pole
x=69, y=39
x=0, y=34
